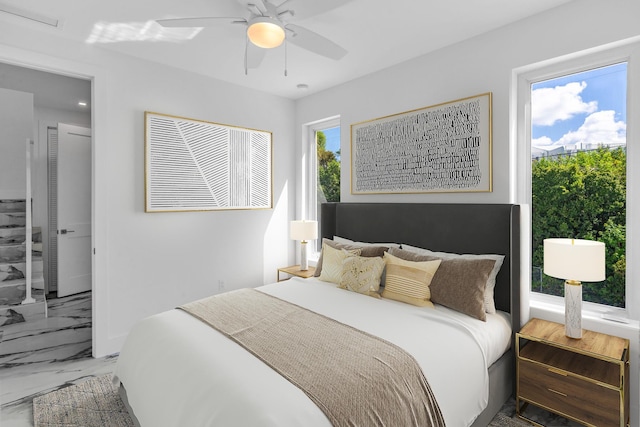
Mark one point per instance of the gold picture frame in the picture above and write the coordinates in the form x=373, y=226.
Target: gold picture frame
x=195, y=165
x=443, y=148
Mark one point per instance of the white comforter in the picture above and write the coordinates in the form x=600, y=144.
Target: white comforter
x=177, y=371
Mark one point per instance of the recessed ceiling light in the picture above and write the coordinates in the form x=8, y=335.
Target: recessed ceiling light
x=82, y=103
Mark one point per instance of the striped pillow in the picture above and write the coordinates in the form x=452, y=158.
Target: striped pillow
x=409, y=281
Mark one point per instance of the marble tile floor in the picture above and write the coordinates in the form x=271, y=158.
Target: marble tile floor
x=46, y=355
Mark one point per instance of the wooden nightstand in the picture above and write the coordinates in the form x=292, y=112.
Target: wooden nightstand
x=294, y=270
x=584, y=380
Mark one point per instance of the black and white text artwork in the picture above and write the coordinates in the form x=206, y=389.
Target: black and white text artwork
x=442, y=148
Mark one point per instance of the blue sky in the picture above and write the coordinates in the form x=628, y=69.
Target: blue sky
x=587, y=107
x=333, y=139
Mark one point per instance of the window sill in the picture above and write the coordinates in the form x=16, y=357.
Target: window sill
x=592, y=319
x=313, y=258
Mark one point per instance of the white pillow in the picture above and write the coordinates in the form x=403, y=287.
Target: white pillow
x=344, y=241
x=489, y=303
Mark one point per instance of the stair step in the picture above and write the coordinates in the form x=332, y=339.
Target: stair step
x=12, y=234
x=7, y=231
x=10, y=254
x=36, y=234
x=13, y=271
x=13, y=218
x=14, y=293
x=18, y=313
x=13, y=205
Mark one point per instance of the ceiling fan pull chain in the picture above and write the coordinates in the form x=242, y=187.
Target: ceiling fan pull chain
x=246, y=55
x=285, y=57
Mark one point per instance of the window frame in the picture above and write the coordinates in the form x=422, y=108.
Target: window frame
x=520, y=169
x=310, y=197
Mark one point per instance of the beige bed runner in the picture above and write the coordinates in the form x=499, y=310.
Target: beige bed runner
x=355, y=378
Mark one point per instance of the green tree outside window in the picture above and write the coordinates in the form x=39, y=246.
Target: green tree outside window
x=582, y=196
x=328, y=171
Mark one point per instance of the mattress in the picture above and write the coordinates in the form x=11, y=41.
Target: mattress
x=178, y=371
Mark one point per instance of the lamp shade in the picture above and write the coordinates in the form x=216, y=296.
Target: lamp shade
x=265, y=32
x=574, y=259
x=303, y=230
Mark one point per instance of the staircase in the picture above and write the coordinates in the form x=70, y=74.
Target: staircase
x=13, y=266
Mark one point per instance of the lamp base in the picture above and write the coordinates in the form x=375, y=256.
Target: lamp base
x=573, y=309
x=304, y=263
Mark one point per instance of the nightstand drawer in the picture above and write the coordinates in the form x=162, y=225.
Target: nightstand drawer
x=569, y=395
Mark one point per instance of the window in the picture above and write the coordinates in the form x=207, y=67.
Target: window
x=328, y=157
x=578, y=173
x=578, y=177
x=324, y=166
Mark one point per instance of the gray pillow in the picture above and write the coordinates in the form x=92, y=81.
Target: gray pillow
x=458, y=283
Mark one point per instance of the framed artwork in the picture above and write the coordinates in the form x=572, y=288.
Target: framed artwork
x=444, y=148
x=193, y=165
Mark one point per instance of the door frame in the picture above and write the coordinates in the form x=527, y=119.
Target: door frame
x=103, y=344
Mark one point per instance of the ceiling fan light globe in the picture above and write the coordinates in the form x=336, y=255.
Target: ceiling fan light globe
x=266, y=33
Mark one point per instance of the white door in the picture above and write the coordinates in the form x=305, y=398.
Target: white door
x=74, y=209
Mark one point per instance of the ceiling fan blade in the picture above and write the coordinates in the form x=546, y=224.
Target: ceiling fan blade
x=255, y=55
x=260, y=4
x=314, y=42
x=197, y=22
x=309, y=9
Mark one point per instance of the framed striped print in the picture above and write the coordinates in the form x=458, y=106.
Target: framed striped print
x=194, y=165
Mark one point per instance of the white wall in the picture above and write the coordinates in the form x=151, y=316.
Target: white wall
x=146, y=263
x=16, y=126
x=482, y=64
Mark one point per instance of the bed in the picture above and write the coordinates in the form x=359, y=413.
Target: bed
x=176, y=370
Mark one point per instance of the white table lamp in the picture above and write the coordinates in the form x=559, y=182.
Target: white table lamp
x=574, y=261
x=303, y=230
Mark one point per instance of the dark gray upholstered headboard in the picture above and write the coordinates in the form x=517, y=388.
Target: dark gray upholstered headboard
x=459, y=228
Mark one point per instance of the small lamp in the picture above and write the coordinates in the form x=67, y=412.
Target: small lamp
x=303, y=230
x=574, y=261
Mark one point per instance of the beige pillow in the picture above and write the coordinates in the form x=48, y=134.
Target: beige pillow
x=409, y=281
x=333, y=258
x=365, y=251
x=489, y=303
x=459, y=283
x=362, y=275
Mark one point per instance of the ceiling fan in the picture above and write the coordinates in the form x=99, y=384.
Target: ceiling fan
x=267, y=28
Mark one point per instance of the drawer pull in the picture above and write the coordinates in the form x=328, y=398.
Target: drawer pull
x=558, y=371
x=557, y=392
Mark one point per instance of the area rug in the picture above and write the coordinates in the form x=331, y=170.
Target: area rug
x=96, y=403
x=93, y=403
x=503, y=420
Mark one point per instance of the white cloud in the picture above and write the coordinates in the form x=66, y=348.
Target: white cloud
x=542, y=141
x=598, y=128
x=550, y=105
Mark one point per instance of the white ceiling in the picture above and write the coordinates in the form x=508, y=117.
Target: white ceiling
x=376, y=33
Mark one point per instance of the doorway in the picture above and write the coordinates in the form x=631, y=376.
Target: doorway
x=59, y=99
